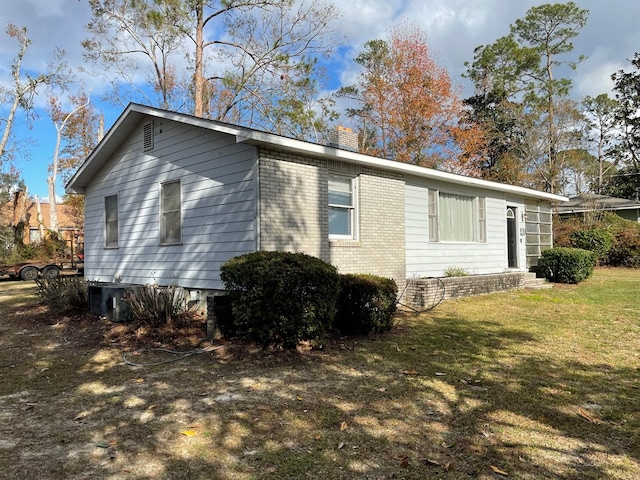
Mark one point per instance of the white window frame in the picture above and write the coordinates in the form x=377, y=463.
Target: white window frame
x=434, y=206
x=352, y=209
x=111, y=221
x=164, y=213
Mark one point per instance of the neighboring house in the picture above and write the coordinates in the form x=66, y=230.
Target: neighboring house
x=587, y=204
x=170, y=197
x=69, y=223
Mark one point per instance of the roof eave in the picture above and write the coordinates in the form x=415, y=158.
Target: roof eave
x=298, y=146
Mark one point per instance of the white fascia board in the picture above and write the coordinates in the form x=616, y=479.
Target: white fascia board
x=298, y=146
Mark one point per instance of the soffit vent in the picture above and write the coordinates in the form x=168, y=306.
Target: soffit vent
x=147, y=136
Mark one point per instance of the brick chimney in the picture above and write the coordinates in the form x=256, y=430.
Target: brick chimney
x=343, y=138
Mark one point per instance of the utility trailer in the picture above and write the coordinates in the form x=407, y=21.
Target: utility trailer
x=50, y=268
x=32, y=270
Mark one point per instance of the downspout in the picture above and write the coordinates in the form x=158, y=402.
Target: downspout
x=258, y=206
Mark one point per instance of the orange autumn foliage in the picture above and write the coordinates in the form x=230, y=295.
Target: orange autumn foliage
x=417, y=109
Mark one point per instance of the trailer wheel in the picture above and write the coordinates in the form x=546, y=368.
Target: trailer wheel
x=50, y=272
x=29, y=273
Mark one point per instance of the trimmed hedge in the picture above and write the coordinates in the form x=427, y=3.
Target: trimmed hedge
x=367, y=304
x=567, y=265
x=279, y=298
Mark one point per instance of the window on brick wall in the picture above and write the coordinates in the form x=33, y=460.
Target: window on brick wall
x=456, y=218
x=343, y=207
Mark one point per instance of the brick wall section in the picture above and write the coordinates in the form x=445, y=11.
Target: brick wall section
x=426, y=292
x=380, y=248
x=293, y=198
x=294, y=214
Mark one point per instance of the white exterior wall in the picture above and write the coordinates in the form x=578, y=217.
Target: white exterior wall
x=218, y=185
x=431, y=259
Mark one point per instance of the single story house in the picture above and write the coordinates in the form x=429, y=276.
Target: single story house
x=593, y=204
x=169, y=198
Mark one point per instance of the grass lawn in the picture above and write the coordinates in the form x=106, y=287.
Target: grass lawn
x=530, y=384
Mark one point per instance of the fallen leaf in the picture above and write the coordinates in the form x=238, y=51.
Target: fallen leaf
x=411, y=372
x=499, y=472
x=404, y=462
x=30, y=406
x=447, y=466
x=587, y=416
x=299, y=398
x=81, y=416
x=435, y=463
x=189, y=433
x=343, y=426
x=440, y=374
x=340, y=445
x=382, y=389
x=139, y=380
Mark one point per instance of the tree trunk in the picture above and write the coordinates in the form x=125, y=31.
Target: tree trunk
x=40, y=220
x=198, y=93
x=19, y=219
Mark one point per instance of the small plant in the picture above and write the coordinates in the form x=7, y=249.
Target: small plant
x=367, y=304
x=64, y=294
x=455, y=272
x=155, y=306
x=567, y=265
x=280, y=298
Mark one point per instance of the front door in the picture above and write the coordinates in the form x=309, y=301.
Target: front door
x=512, y=238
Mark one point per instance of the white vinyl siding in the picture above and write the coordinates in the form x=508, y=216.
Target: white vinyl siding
x=170, y=213
x=111, y=221
x=428, y=258
x=342, y=207
x=218, y=195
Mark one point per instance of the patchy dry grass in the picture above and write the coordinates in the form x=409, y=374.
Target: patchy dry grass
x=533, y=384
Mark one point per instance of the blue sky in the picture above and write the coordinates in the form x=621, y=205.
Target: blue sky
x=454, y=28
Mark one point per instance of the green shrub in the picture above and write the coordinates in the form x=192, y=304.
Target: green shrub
x=625, y=251
x=367, y=304
x=281, y=298
x=567, y=265
x=64, y=294
x=596, y=240
x=155, y=306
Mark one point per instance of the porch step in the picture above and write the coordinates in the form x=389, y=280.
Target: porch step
x=536, y=283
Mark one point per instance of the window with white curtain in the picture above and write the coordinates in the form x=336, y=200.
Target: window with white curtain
x=456, y=218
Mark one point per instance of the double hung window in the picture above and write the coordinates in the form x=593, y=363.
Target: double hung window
x=111, y=221
x=170, y=213
x=342, y=207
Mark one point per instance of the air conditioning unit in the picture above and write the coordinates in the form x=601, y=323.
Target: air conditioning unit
x=106, y=300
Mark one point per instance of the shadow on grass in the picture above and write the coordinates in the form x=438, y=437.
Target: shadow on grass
x=443, y=397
